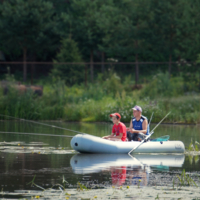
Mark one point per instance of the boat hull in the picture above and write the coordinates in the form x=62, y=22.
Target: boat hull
x=85, y=143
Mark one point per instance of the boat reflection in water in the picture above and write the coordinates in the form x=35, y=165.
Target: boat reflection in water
x=133, y=170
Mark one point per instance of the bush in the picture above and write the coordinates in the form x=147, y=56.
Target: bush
x=163, y=86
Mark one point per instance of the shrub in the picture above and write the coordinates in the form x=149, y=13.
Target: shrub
x=163, y=86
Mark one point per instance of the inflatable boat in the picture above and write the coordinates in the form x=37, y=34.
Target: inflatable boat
x=85, y=143
x=94, y=163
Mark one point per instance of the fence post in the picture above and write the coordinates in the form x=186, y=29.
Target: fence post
x=136, y=69
x=32, y=73
x=24, y=64
x=91, y=66
x=102, y=62
x=33, y=68
x=170, y=64
x=85, y=75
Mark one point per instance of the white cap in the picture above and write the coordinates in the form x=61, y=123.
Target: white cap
x=138, y=108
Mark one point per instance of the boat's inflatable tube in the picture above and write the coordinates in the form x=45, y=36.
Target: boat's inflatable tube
x=85, y=143
x=93, y=163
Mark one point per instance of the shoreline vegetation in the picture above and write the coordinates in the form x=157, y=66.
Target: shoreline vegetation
x=94, y=102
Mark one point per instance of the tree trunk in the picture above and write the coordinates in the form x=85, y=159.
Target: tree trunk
x=85, y=75
x=136, y=69
x=170, y=64
x=91, y=66
x=24, y=64
x=102, y=62
x=136, y=63
x=32, y=69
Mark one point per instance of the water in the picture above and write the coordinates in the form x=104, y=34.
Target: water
x=50, y=159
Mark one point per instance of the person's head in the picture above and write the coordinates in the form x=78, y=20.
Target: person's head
x=137, y=111
x=115, y=117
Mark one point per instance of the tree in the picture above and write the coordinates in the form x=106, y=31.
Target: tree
x=132, y=31
x=175, y=30
x=188, y=37
x=107, y=20
x=28, y=25
x=84, y=27
x=69, y=52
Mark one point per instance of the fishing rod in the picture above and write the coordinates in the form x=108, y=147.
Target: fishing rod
x=150, y=120
x=53, y=126
x=151, y=133
x=38, y=134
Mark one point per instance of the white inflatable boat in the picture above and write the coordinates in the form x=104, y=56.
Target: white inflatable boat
x=85, y=143
x=93, y=163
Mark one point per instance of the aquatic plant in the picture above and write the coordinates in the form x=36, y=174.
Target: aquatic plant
x=193, y=147
x=81, y=187
x=33, y=184
x=185, y=180
x=157, y=197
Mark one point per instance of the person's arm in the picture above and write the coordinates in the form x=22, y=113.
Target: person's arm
x=120, y=133
x=118, y=137
x=109, y=136
x=130, y=126
x=144, y=128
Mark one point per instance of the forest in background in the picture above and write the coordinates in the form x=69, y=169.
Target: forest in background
x=99, y=30
x=114, y=31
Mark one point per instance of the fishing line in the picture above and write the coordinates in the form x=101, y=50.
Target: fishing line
x=53, y=126
x=43, y=134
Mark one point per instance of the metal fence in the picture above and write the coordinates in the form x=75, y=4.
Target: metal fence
x=139, y=71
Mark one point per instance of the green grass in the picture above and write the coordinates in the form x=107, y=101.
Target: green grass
x=106, y=95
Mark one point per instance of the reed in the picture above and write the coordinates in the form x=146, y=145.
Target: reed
x=185, y=180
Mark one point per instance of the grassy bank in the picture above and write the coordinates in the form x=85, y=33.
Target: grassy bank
x=96, y=101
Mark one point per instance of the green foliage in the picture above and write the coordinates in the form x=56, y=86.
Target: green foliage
x=19, y=105
x=163, y=86
x=81, y=186
x=193, y=147
x=198, y=59
x=107, y=95
x=69, y=52
x=83, y=19
x=27, y=24
x=185, y=180
x=147, y=30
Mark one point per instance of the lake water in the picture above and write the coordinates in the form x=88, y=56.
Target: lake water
x=50, y=159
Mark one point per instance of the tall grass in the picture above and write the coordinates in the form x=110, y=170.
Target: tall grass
x=106, y=95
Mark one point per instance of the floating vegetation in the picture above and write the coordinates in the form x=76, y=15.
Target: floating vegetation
x=33, y=147
x=148, y=193
x=65, y=191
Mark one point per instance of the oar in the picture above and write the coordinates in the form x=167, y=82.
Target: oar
x=151, y=133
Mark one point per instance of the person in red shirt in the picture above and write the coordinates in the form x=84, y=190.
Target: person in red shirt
x=118, y=130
